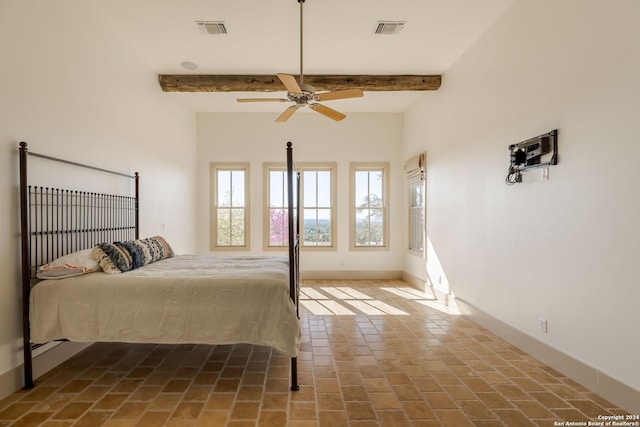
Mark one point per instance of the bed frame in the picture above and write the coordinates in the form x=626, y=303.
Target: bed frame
x=55, y=222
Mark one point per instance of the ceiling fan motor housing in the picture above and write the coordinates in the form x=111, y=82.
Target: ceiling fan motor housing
x=308, y=92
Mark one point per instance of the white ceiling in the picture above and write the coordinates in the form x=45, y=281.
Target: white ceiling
x=264, y=38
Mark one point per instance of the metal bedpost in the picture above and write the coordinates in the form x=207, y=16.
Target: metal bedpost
x=26, y=273
x=294, y=374
x=297, y=250
x=137, y=203
x=290, y=215
x=292, y=255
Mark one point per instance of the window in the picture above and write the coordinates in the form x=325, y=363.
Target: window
x=230, y=210
x=318, y=204
x=277, y=217
x=369, y=189
x=416, y=217
x=415, y=172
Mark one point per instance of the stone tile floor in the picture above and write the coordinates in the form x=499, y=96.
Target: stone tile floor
x=374, y=353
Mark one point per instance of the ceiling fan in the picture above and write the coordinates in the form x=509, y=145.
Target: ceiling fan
x=305, y=95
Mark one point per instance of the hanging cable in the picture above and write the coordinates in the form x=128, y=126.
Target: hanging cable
x=513, y=176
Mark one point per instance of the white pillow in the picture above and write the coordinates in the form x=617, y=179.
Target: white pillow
x=73, y=264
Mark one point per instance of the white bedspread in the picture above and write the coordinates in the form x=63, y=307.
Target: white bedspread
x=197, y=299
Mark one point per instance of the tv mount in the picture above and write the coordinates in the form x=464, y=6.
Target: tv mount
x=540, y=151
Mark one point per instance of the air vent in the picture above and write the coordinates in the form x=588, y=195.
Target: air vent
x=386, y=27
x=209, y=27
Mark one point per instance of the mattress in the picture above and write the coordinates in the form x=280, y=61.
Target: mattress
x=196, y=299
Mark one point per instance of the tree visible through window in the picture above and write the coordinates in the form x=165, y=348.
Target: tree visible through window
x=278, y=213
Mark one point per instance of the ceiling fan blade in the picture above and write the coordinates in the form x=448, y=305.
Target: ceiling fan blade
x=262, y=100
x=290, y=83
x=339, y=94
x=287, y=113
x=329, y=112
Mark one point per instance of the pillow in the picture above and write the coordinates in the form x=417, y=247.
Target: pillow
x=154, y=249
x=73, y=264
x=113, y=257
x=118, y=257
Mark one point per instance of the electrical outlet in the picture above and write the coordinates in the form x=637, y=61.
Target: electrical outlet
x=542, y=325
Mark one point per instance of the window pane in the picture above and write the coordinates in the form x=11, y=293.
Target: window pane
x=416, y=217
x=324, y=227
x=276, y=189
x=224, y=227
x=224, y=188
x=237, y=189
x=362, y=188
x=310, y=195
x=310, y=216
x=417, y=195
x=362, y=227
x=278, y=227
x=324, y=189
x=237, y=227
x=417, y=227
x=375, y=188
x=310, y=226
x=278, y=201
x=324, y=214
x=376, y=231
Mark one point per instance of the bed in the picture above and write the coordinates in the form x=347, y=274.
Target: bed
x=155, y=296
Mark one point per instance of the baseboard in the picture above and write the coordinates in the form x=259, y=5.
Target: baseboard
x=414, y=281
x=13, y=380
x=350, y=275
x=598, y=382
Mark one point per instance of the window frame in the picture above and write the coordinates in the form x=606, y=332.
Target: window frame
x=214, y=167
x=332, y=168
x=386, y=178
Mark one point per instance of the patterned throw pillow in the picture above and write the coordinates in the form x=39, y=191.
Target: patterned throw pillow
x=113, y=257
x=154, y=249
x=118, y=257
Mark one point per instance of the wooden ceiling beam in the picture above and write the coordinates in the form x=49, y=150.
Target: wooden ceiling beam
x=270, y=83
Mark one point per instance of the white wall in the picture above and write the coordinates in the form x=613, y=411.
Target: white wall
x=258, y=139
x=72, y=89
x=567, y=249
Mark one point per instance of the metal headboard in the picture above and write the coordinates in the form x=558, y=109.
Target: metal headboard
x=55, y=222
